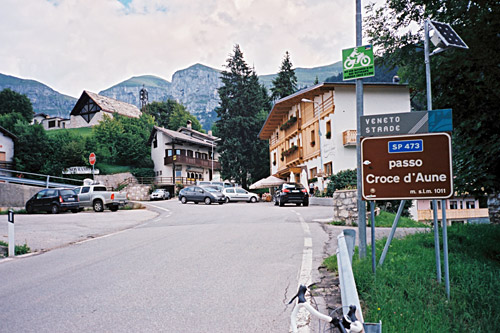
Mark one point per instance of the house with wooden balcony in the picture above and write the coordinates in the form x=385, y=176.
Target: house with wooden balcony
x=313, y=132
x=183, y=156
x=464, y=209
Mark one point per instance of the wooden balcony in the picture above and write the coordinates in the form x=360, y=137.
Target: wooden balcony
x=292, y=129
x=179, y=159
x=349, y=138
x=293, y=157
x=453, y=214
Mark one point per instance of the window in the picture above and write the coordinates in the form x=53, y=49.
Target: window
x=328, y=133
x=240, y=190
x=313, y=138
x=453, y=205
x=274, y=158
x=168, y=152
x=438, y=204
x=470, y=204
x=189, y=153
x=52, y=123
x=230, y=190
x=313, y=172
x=155, y=141
x=328, y=168
x=85, y=189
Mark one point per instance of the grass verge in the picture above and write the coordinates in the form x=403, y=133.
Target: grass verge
x=406, y=297
x=385, y=220
x=18, y=249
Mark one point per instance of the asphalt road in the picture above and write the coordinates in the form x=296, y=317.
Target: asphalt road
x=171, y=268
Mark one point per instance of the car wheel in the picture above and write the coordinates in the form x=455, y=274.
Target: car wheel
x=98, y=206
x=74, y=211
x=253, y=199
x=305, y=203
x=54, y=209
x=297, y=204
x=281, y=203
x=184, y=200
x=220, y=203
x=275, y=201
x=207, y=201
x=227, y=200
x=113, y=208
x=29, y=208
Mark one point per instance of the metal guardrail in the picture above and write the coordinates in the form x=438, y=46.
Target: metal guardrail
x=6, y=175
x=348, y=292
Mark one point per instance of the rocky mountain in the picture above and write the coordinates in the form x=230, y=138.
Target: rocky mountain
x=195, y=87
x=43, y=98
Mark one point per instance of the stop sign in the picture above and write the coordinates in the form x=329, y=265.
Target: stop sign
x=92, y=158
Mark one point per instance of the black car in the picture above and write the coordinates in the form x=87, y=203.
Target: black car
x=53, y=200
x=204, y=194
x=291, y=193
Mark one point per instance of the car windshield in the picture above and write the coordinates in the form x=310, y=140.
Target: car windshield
x=99, y=189
x=210, y=189
x=297, y=186
x=67, y=192
x=158, y=191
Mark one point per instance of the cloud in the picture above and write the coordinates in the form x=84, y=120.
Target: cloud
x=74, y=45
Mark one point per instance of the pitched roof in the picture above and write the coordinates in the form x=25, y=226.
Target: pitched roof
x=110, y=105
x=7, y=133
x=182, y=137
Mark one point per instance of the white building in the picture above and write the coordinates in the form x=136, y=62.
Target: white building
x=183, y=156
x=313, y=132
x=7, y=141
x=50, y=123
x=90, y=109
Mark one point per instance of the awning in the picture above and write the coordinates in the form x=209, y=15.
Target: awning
x=270, y=181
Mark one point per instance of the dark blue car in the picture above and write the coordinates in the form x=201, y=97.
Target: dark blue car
x=53, y=200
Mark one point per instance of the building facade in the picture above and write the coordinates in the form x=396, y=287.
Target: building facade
x=90, y=109
x=183, y=156
x=50, y=123
x=458, y=210
x=312, y=133
x=7, y=141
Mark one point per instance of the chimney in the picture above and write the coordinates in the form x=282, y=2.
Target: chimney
x=189, y=124
x=210, y=132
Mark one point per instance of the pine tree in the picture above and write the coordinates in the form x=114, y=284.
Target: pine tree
x=242, y=111
x=285, y=83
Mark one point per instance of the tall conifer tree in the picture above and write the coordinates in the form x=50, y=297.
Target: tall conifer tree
x=285, y=83
x=242, y=111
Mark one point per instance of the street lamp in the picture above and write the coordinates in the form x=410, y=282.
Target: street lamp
x=213, y=144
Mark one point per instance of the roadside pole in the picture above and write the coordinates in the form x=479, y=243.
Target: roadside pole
x=359, y=113
x=12, y=242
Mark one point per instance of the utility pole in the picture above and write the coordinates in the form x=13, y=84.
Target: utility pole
x=359, y=113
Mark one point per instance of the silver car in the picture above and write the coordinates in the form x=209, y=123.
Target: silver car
x=159, y=194
x=239, y=194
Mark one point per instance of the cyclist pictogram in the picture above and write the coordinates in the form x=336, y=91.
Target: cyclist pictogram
x=358, y=62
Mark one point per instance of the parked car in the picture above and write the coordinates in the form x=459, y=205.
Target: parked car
x=204, y=194
x=159, y=194
x=291, y=193
x=239, y=194
x=206, y=182
x=53, y=200
x=98, y=197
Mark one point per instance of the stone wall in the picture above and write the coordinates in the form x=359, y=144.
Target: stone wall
x=494, y=208
x=15, y=195
x=345, y=207
x=138, y=192
x=112, y=181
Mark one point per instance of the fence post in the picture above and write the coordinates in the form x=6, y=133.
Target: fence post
x=12, y=242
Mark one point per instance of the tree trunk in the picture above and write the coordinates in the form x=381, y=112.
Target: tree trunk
x=494, y=207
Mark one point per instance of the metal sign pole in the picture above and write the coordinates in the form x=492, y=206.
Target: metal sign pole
x=393, y=231
x=445, y=250
x=359, y=113
x=372, y=211
x=436, y=241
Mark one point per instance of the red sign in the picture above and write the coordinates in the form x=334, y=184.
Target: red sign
x=92, y=158
x=407, y=167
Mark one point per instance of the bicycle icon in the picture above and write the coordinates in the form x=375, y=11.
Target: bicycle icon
x=356, y=58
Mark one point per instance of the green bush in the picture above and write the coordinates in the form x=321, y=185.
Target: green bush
x=143, y=172
x=18, y=249
x=342, y=180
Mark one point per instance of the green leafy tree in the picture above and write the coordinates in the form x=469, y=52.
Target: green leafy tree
x=123, y=141
x=9, y=120
x=29, y=150
x=243, y=109
x=171, y=115
x=463, y=80
x=342, y=180
x=13, y=102
x=285, y=83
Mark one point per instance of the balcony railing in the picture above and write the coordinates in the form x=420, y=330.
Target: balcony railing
x=179, y=159
x=293, y=128
x=293, y=156
x=349, y=137
x=453, y=214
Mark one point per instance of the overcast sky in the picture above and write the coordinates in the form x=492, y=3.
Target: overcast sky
x=72, y=45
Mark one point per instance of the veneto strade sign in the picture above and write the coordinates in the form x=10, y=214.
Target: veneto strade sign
x=407, y=167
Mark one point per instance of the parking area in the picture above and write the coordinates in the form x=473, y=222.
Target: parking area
x=42, y=232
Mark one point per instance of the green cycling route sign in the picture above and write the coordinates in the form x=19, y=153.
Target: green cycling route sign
x=357, y=62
